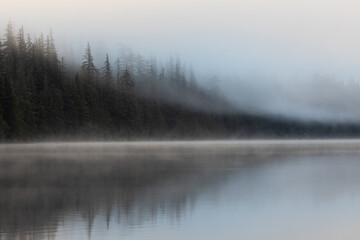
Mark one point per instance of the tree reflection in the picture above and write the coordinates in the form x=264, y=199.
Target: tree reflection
x=38, y=194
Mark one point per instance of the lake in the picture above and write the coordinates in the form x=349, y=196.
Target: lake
x=295, y=189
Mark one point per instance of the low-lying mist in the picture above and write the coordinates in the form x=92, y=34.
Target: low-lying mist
x=320, y=98
x=314, y=97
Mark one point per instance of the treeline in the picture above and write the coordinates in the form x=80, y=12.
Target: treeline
x=132, y=97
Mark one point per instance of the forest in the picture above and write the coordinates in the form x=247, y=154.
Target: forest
x=42, y=97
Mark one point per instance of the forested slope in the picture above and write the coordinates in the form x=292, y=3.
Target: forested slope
x=133, y=98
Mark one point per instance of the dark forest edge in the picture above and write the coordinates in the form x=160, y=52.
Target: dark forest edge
x=134, y=98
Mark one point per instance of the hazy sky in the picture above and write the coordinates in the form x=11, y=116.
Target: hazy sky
x=270, y=36
x=254, y=40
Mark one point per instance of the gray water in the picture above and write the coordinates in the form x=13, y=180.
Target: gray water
x=181, y=190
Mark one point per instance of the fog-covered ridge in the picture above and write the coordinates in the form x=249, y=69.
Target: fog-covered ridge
x=285, y=43
x=42, y=96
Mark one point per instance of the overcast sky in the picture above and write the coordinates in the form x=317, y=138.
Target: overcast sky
x=283, y=39
x=270, y=36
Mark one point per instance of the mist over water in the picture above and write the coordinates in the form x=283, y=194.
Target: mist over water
x=181, y=190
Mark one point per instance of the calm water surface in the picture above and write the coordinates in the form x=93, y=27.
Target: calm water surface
x=181, y=190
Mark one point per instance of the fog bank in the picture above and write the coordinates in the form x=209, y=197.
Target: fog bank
x=294, y=59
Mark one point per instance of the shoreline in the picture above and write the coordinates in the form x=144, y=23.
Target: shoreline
x=181, y=148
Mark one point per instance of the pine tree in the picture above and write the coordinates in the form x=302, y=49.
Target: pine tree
x=4, y=127
x=88, y=67
x=21, y=42
x=29, y=60
x=50, y=50
x=107, y=72
x=62, y=70
x=52, y=62
x=118, y=72
x=79, y=101
x=21, y=46
x=1, y=58
x=127, y=81
x=39, y=65
x=11, y=110
x=10, y=55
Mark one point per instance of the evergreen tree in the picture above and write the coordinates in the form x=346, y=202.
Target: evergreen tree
x=50, y=50
x=62, y=70
x=88, y=67
x=127, y=81
x=29, y=57
x=107, y=72
x=21, y=42
x=11, y=110
x=2, y=70
x=21, y=46
x=10, y=55
x=39, y=66
x=4, y=128
x=52, y=62
x=118, y=72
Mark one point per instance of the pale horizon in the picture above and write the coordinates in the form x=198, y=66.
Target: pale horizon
x=272, y=37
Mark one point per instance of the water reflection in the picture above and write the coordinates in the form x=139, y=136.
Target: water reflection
x=59, y=191
x=43, y=187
